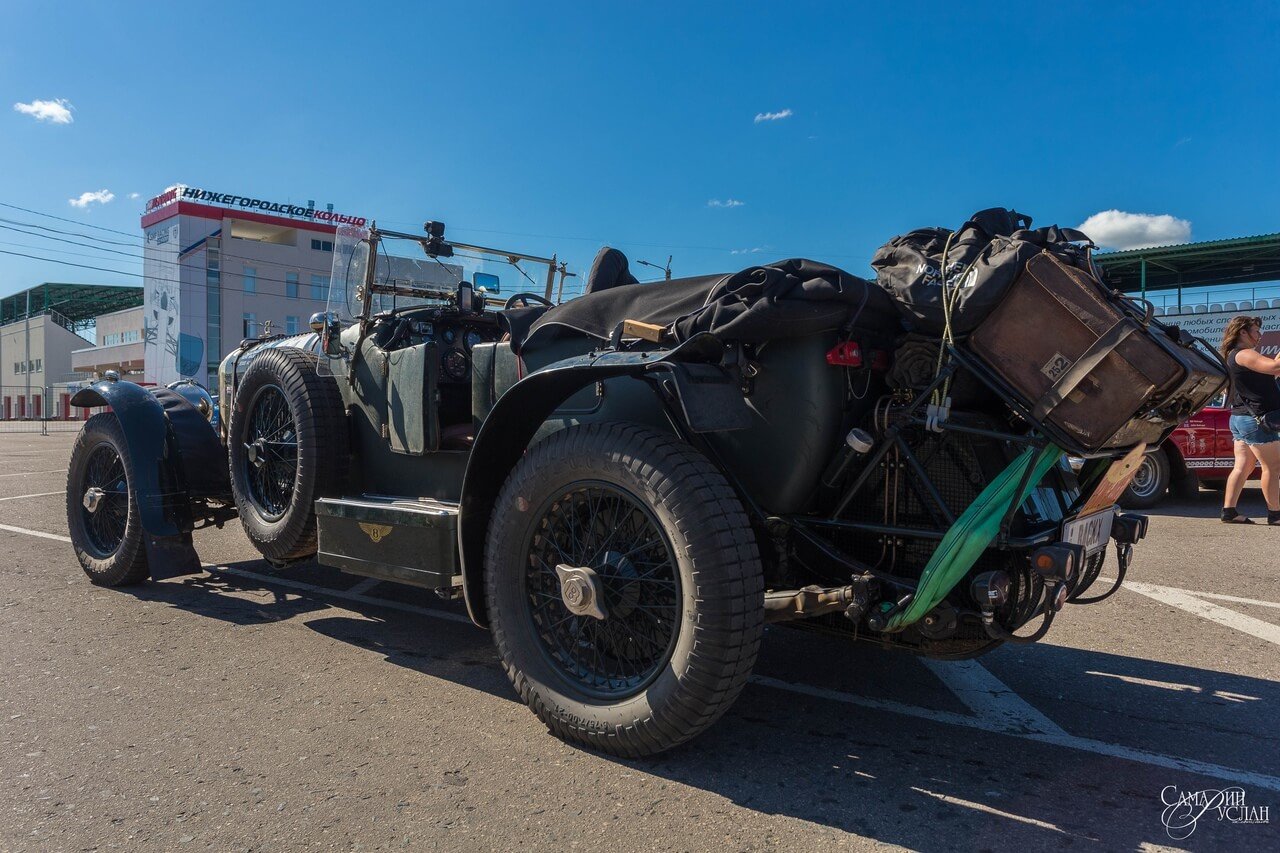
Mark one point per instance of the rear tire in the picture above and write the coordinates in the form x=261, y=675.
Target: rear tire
x=1149, y=484
x=108, y=536
x=286, y=447
x=682, y=595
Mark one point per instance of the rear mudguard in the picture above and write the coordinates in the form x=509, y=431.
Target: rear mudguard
x=515, y=418
x=174, y=457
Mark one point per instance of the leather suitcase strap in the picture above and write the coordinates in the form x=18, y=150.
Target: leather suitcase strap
x=1088, y=360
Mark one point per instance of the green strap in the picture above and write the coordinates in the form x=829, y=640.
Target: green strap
x=974, y=530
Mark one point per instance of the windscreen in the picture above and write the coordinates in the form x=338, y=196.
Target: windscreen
x=405, y=276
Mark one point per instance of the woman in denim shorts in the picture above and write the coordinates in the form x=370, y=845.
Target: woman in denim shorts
x=1254, y=393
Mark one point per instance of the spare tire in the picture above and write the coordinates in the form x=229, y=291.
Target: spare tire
x=286, y=446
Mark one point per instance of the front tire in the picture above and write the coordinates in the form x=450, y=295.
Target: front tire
x=102, y=509
x=662, y=631
x=1149, y=484
x=286, y=446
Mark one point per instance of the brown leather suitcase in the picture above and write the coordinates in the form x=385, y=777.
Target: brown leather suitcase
x=1090, y=363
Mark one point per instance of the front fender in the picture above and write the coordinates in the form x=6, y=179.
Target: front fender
x=174, y=456
x=515, y=418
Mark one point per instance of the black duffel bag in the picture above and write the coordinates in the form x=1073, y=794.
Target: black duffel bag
x=982, y=259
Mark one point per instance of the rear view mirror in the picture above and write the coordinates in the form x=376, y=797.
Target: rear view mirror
x=488, y=281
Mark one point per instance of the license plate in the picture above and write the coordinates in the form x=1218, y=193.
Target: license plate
x=1092, y=531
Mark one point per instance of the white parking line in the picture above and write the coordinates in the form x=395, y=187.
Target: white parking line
x=1006, y=713
x=29, y=473
x=1068, y=741
x=989, y=697
x=986, y=809
x=39, y=495
x=1216, y=596
x=1207, y=610
x=40, y=533
x=364, y=586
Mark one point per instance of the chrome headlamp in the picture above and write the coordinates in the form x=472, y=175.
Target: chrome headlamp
x=196, y=395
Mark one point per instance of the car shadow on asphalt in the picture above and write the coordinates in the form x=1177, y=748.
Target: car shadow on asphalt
x=451, y=649
x=1207, y=503
x=893, y=778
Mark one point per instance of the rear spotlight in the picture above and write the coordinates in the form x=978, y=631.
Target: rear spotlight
x=1059, y=598
x=1058, y=562
x=990, y=590
x=1128, y=528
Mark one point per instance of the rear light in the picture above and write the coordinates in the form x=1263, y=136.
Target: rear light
x=845, y=354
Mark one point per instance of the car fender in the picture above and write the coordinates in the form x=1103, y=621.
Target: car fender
x=514, y=420
x=174, y=456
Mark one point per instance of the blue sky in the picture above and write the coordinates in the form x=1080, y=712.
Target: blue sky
x=550, y=127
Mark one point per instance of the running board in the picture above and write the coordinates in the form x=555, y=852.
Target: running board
x=406, y=540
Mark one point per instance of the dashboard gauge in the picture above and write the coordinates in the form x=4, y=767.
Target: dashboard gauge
x=473, y=337
x=455, y=364
x=449, y=336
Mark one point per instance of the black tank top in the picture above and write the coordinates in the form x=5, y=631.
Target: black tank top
x=1252, y=393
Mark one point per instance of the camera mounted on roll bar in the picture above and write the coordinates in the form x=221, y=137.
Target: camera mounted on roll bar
x=435, y=245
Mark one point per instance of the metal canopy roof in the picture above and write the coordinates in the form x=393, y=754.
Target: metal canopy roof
x=1237, y=261
x=79, y=303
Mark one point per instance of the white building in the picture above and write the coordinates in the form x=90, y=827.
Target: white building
x=41, y=329
x=119, y=347
x=219, y=267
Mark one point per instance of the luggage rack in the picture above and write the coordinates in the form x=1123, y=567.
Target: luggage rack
x=813, y=530
x=913, y=416
x=988, y=377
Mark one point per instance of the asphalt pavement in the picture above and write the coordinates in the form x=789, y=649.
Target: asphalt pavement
x=253, y=709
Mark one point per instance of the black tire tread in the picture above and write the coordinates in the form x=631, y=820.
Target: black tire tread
x=128, y=565
x=726, y=575
x=321, y=423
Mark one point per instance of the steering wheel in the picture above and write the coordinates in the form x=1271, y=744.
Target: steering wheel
x=525, y=297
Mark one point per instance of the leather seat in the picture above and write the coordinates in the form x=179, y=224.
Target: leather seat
x=609, y=269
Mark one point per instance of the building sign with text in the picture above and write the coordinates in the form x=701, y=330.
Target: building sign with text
x=249, y=203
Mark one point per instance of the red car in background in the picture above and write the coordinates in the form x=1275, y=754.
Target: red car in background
x=1198, y=453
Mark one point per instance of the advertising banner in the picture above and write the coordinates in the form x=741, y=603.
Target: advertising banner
x=161, y=295
x=1211, y=326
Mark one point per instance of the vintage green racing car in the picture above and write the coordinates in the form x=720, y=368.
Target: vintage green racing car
x=624, y=488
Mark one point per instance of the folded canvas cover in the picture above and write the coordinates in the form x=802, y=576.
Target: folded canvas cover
x=785, y=299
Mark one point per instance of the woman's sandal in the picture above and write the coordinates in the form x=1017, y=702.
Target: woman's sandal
x=1237, y=518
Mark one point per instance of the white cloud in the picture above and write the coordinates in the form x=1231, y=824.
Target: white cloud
x=57, y=111
x=1117, y=229
x=135, y=195
x=728, y=202
x=86, y=199
x=780, y=114
x=752, y=251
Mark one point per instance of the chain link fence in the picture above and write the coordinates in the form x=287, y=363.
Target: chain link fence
x=40, y=409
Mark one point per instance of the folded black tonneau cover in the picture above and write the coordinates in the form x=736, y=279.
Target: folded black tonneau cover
x=784, y=299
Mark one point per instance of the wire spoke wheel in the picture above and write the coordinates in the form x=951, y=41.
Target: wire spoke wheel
x=271, y=461
x=633, y=570
x=105, y=506
x=623, y=587
x=102, y=511
x=286, y=447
